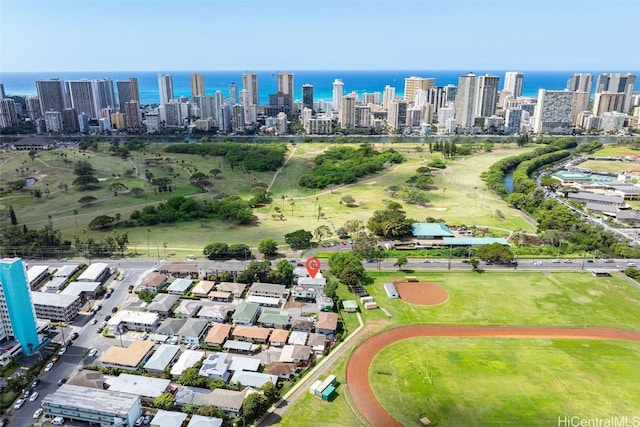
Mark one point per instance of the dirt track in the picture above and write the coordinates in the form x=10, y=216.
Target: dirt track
x=358, y=365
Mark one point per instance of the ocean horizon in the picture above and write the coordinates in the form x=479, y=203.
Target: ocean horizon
x=360, y=81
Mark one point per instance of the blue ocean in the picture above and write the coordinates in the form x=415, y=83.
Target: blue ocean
x=358, y=81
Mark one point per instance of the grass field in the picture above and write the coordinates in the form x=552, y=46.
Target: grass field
x=610, y=166
x=466, y=381
x=610, y=150
x=515, y=298
x=458, y=196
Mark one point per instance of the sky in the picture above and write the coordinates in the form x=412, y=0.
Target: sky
x=146, y=35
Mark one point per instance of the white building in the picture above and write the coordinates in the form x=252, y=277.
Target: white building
x=553, y=112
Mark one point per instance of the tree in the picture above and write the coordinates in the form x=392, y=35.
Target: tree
x=268, y=247
x=215, y=172
x=353, y=227
x=321, y=232
x=365, y=245
x=474, y=264
x=117, y=187
x=347, y=267
x=400, y=261
x=136, y=192
x=495, y=252
x=86, y=201
x=164, y=401
x=270, y=391
x=102, y=221
x=283, y=273
x=331, y=288
x=12, y=215
x=87, y=182
x=299, y=239
x=390, y=223
x=254, y=405
x=348, y=200
x=191, y=377
x=83, y=167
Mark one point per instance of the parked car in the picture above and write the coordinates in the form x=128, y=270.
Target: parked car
x=107, y=317
x=62, y=381
x=94, y=321
x=18, y=404
x=26, y=393
x=147, y=419
x=4, y=422
x=114, y=309
x=93, y=352
x=37, y=414
x=35, y=383
x=139, y=421
x=34, y=396
x=48, y=367
x=62, y=351
x=74, y=336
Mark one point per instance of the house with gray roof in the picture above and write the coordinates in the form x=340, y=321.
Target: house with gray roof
x=170, y=327
x=246, y=314
x=318, y=342
x=162, y=304
x=148, y=388
x=179, y=286
x=240, y=363
x=164, y=356
x=253, y=379
x=216, y=366
x=202, y=421
x=271, y=290
x=168, y=418
x=216, y=312
x=193, y=331
x=229, y=401
x=188, y=308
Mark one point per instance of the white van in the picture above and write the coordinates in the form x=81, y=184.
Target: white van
x=57, y=421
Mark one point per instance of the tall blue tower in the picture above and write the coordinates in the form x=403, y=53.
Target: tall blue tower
x=16, y=300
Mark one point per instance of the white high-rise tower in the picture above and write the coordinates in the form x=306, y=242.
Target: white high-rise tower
x=338, y=88
x=165, y=88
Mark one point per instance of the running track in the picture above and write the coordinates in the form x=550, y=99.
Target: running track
x=358, y=365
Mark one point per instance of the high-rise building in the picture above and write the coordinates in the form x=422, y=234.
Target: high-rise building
x=197, y=84
x=124, y=94
x=132, y=115
x=487, y=98
x=347, y=112
x=452, y=92
x=338, y=90
x=8, y=113
x=512, y=121
x=233, y=94
x=397, y=115
x=70, y=120
x=105, y=95
x=466, y=100
x=388, y=95
x=2, y=92
x=250, y=84
x=553, y=112
x=53, y=121
x=618, y=83
x=307, y=96
x=286, y=87
x=605, y=102
x=580, y=82
x=51, y=94
x=83, y=122
x=413, y=84
x=82, y=95
x=135, y=92
x=513, y=83
x=34, y=111
x=17, y=314
x=363, y=116
x=165, y=88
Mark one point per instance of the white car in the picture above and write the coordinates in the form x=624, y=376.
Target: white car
x=48, y=367
x=94, y=321
x=19, y=403
x=37, y=414
x=62, y=351
x=93, y=352
x=33, y=397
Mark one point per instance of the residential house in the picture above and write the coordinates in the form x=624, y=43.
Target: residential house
x=202, y=421
x=188, y=308
x=283, y=370
x=179, y=286
x=251, y=334
x=218, y=313
x=327, y=323
x=229, y=401
x=246, y=314
x=164, y=418
x=187, y=359
x=270, y=290
x=127, y=357
x=274, y=319
x=164, y=356
x=240, y=363
x=202, y=288
x=218, y=334
x=169, y=328
x=155, y=282
x=162, y=304
x=318, y=342
x=215, y=366
x=180, y=270
x=302, y=355
x=264, y=301
x=148, y=388
x=220, y=296
x=302, y=325
x=129, y=320
x=253, y=379
x=237, y=289
x=193, y=331
x=297, y=337
x=278, y=337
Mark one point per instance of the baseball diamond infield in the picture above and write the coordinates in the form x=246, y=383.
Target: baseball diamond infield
x=423, y=293
x=357, y=376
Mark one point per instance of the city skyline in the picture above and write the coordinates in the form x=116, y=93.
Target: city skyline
x=526, y=35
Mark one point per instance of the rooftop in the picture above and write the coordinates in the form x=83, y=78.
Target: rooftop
x=436, y=229
x=163, y=355
x=168, y=418
x=130, y=356
x=92, y=399
x=137, y=384
x=218, y=333
x=180, y=285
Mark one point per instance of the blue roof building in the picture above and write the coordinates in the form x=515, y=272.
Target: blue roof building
x=430, y=230
x=15, y=295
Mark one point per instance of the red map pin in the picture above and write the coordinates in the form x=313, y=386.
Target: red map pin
x=313, y=266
